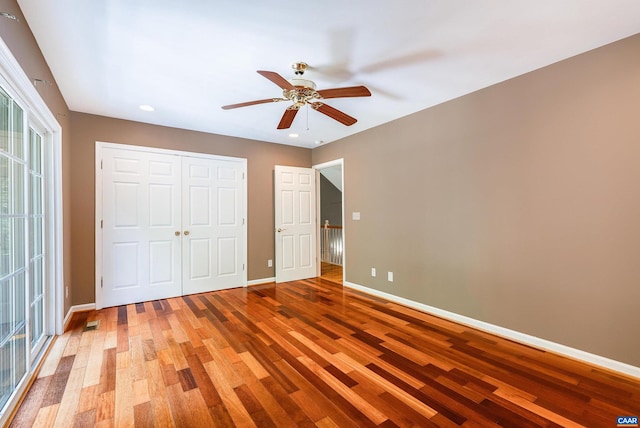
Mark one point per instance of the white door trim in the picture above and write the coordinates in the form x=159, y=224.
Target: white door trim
x=318, y=167
x=100, y=146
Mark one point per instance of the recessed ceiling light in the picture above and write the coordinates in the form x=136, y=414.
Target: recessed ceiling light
x=293, y=135
x=146, y=107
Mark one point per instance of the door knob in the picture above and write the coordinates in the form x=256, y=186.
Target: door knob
x=280, y=230
x=186, y=232
x=177, y=233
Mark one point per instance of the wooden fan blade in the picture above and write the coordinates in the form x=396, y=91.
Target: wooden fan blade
x=334, y=113
x=351, y=91
x=287, y=118
x=277, y=79
x=250, y=103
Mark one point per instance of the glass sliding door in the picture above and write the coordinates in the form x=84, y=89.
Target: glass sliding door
x=31, y=252
x=22, y=249
x=13, y=247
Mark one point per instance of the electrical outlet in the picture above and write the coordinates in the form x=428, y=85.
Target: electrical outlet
x=390, y=276
x=373, y=271
x=269, y=263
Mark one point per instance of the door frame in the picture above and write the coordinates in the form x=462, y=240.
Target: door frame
x=100, y=145
x=318, y=167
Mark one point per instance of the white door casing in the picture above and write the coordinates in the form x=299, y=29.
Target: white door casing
x=295, y=223
x=146, y=200
x=141, y=215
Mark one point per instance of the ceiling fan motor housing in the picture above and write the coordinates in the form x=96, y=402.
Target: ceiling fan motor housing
x=305, y=90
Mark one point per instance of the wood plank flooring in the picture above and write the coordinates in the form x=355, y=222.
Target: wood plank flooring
x=331, y=272
x=308, y=353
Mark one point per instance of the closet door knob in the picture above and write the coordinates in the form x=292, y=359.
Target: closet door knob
x=186, y=232
x=177, y=233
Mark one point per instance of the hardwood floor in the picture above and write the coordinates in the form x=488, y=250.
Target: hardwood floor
x=331, y=272
x=308, y=353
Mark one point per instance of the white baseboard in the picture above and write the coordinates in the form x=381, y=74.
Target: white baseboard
x=261, y=281
x=77, y=308
x=507, y=333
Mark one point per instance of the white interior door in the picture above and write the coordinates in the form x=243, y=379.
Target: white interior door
x=295, y=223
x=212, y=201
x=141, y=226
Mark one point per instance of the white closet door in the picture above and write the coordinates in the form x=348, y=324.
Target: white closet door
x=212, y=208
x=141, y=226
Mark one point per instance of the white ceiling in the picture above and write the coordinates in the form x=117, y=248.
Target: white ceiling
x=189, y=58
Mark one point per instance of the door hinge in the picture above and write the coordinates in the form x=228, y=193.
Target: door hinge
x=242, y=221
x=101, y=224
x=101, y=282
x=100, y=163
x=243, y=175
x=243, y=266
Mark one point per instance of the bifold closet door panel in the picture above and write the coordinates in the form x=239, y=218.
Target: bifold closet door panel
x=142, y=248
x=212, y=216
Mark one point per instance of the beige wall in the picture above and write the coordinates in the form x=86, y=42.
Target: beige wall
x=517, y=205
x=20, y=41
x=261, y=158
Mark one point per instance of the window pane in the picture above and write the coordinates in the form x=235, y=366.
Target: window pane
x=18, y=132
x=20, y=341
x=5, y=309
x=5, y=194
x=36, y=321
x=19, y=299
x=19, y=259
x=35, y=195
x=17, y=186
x=6, y=239
x=35, y=151
x=35, y=237
x=5, y=104
x=5, y=373
x=36, y=287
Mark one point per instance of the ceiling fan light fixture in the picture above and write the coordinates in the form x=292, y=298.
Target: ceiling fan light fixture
x=303, y=83
x=294, y=135
x=146, y=107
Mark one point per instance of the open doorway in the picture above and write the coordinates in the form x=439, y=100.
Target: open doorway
x=331, y=219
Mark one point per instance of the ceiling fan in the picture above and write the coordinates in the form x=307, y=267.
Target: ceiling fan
x=303, y=92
